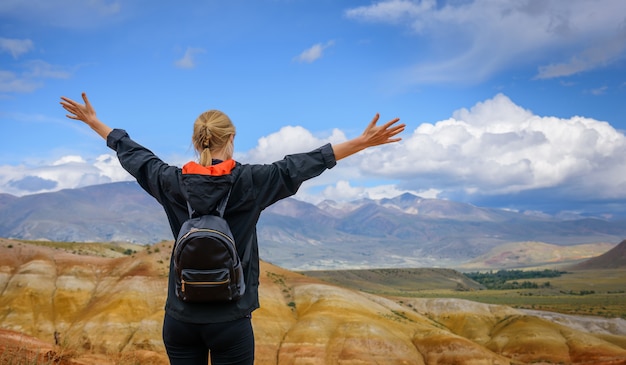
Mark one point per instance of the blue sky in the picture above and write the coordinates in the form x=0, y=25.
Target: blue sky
x=511, y=104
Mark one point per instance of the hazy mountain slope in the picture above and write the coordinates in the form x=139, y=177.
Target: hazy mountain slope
x=6, y=199
x=108, y=212
x=524, y=254
x=114, y=306
x=614, y=258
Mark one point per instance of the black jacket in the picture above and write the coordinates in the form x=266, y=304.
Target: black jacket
x=254, y=188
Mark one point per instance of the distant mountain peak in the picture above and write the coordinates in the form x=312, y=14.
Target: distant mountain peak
x=406, y=202
x=408, y=196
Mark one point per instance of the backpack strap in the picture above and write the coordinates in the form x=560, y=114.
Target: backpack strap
x=190, y=210
x=221, y=207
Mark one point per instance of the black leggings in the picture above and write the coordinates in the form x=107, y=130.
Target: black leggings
x=190, y=344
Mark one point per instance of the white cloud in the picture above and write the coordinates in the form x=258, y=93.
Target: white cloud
x=473, y=40
x=497, y=147
x=314, y=53
x=67, y=172
x=189, y=58
x=109, y=166
x=605, y=51
x=392, y=11
x=44, y=70
x=493, y=148
x=16, y=47
x=599, y=91
x=32, y=78
x=32, y=72
x=12, y=83
x=68, y=159
x=288, y=140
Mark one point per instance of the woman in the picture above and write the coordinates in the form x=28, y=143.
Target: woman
x=192, y=331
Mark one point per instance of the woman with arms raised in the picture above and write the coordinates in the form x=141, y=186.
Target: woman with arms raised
x=193, y=331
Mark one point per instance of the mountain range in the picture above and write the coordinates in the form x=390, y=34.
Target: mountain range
x=406, y=231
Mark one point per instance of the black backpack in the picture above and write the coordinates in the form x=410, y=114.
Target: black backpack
x=208, y=268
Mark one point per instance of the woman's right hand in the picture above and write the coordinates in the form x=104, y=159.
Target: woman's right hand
x=86, y=114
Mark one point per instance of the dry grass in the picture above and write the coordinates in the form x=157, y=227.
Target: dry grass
x=101, y=249
x=589, y=292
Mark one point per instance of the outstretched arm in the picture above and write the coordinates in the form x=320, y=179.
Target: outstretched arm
x=86, y=114
x=372, y=136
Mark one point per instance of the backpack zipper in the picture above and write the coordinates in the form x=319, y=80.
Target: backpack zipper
x=183, y=282
x=193, y=230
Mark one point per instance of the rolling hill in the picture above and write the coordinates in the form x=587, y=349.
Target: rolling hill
x=107, y=308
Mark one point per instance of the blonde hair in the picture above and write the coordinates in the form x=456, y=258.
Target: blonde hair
x=211, y=133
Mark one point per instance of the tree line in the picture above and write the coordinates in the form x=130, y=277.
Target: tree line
x=510, y=279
